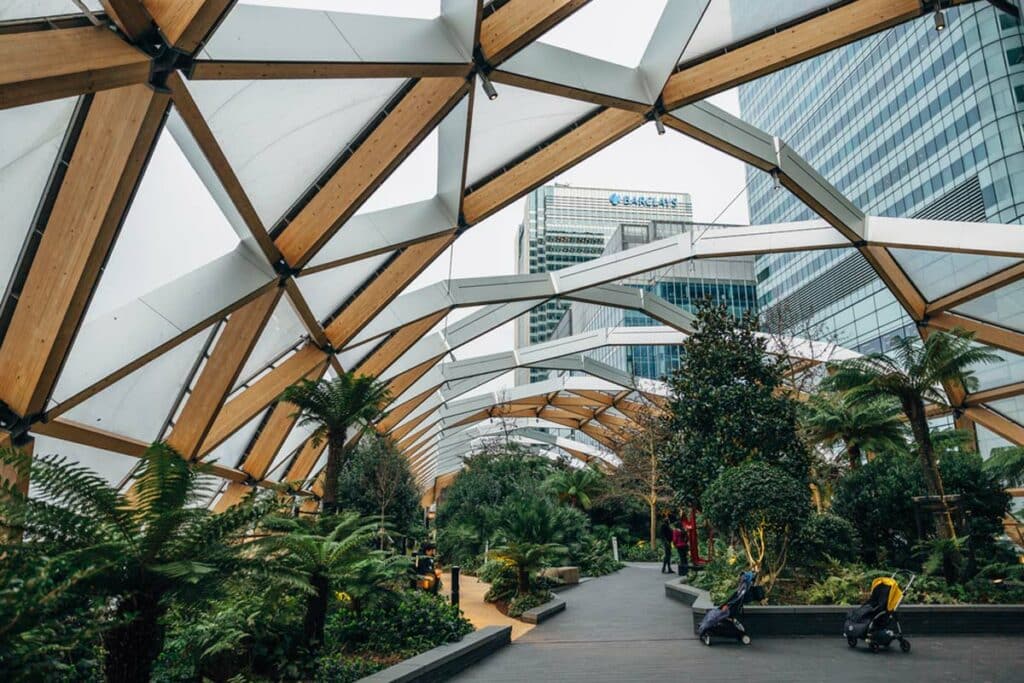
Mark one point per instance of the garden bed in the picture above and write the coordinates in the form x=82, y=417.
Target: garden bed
x=446, y=660
x=827, y=620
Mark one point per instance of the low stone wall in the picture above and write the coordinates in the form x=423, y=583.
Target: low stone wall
x=445, y=661
x=827, y=620
x=543, y=612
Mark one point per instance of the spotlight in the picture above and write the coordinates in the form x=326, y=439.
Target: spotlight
x=940, y=21
x=776, y=179
x=492, y=94
x=658, y=124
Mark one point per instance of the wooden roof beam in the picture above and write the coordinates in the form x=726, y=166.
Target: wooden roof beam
x=985, y=333
x=996, y=393
x=186, y=24
x=976, y=289
x=36, y=66
x=398, y=133
x=517, y=23
x=117, y=137
x=1000, y=424
x=130, y=16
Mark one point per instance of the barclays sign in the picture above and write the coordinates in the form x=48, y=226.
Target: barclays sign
x=616, y=199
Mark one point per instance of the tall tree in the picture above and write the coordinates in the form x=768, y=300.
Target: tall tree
x=378, y=482
x=640, y=473
x=828, y=419
x=576, y=487
x=913, y=375
x=334, y=406
x=727, y=406
x=138, y=550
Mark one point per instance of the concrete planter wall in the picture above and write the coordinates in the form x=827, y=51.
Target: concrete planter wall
x=827, y=620
x=445, y=661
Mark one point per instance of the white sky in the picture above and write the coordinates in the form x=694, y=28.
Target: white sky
x=183, y=234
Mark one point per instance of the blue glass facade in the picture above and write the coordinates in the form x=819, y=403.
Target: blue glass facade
x=909, y=122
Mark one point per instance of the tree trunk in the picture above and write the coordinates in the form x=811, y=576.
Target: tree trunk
x=523, y=581
x=336, y=456
x=854, y=454
x=929, y=468
x=133, y=646
x=654, y=514
x=316, y=612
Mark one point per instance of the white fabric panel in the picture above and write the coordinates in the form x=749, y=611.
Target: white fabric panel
x=350, y=358
x=279, y=136
x=138, y=405
x=1002, y=307
x=111, y=466
x=506, y=128
x=729, y=21
x=230, y=452
x=30, y=139
x=460, y=18
x=451, y=157
x=287, y=34
x=414, y=180
x=559, y=65
x=936, y=273
x=12, y=10
x=1009, y=370
x=295, y=438
x=110, y=341
x=283, y=330
x=608, y=29
x=327, y=290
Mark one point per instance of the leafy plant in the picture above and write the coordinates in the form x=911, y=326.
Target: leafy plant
x=377, y=481
x=576, y=487
x=641, y=551
x=824, y=539
x=1007, y=464
x=912, y=375
x=828, y=419
x=594, y=558
x=527, y=601
x=333, y=407
x=138, y=551
x=532, y=535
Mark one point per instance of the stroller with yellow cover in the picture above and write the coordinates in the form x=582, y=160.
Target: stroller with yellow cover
x=876, y=621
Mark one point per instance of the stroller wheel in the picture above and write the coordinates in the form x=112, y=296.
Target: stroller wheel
x=905, y=645
x=706, y=639
x=874, y=647
x=745, y=639
x=852, y=642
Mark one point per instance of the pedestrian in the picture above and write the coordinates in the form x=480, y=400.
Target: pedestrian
x=665, y=532
x=681, y=540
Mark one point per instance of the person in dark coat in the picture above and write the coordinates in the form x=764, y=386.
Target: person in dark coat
x=681, y=540
x=665, y=532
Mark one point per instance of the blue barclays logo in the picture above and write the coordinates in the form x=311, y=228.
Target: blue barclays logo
x=616, y=199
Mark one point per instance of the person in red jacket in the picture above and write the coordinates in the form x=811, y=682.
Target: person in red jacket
x=681, y=540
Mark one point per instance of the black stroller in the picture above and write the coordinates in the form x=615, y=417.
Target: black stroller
x=723, y=622
x=876, y=621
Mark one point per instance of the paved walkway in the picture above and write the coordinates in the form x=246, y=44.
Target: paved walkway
x=480, y=613
x=623, y=628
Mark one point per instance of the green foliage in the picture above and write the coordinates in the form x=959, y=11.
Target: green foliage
x=341, y=668
x=844, y=585
x=532, y=532
x=331, y=406
x=764, y=506
x=825, y=538
x=1007, y=464
x=829, y=419
x=576, y=487
x=641, y=551
x=459, y=544
x=527, y=601
x=135, y=555
x=502, y=576
x=404, y=624
x=377, y=482
x=876, y=499
x=719, y=577
x=594, y=558
x=726, y=410
x=984, y=502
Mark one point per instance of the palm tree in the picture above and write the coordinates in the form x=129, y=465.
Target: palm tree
x=137, y=551
x=576, y=487
x=335, y=406
x=531, y=528
x=913, y=375
x=873, y=425
x=333, y=555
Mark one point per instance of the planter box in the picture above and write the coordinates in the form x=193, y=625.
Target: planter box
x=567, y=575
x=445, y=661
x=543, y=612
x=827, y=620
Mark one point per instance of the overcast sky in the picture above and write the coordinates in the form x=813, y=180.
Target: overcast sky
x=161, y=239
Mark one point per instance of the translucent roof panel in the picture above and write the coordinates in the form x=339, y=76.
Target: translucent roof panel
x=282, y=332
x=936, y=273
x=285, y=34
x=414, y=180
x=509, y=126
x=1007, y=371
x=280, y=136
x=327, y=290
x=162, y=240
x=30, y=140
x=1012, y=408
x=1001, y=307
x=608, y=30
x=726, y=22
x=13, y=10
x=420, y=9
x=230, y=452
x=139, y=405
x=111, y=466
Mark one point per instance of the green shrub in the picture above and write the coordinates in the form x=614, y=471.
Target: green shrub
x=594, y=558
x=404, y=624
x=341, y=668
x=998, y=584
x=719, y=577
x=641, y=551
x=528, y=601
x=502, y=577
x=825, y=537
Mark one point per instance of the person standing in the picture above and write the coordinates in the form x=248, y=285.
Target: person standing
x=665, y=532
x=681, y=540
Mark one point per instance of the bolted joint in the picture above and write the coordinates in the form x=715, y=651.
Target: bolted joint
x=285, y=270
x=16, y=425
x=166, y=60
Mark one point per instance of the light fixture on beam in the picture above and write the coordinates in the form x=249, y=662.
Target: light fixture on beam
x=940, y=18
x=492, y=94
x=776, y=178
x=659, y=124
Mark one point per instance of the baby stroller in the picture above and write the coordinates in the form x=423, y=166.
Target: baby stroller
x=723, y=622
x=876, y=620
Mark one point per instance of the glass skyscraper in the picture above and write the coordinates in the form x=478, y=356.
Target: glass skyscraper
x=725, y=281
x=909, y=122
x=564, y=225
